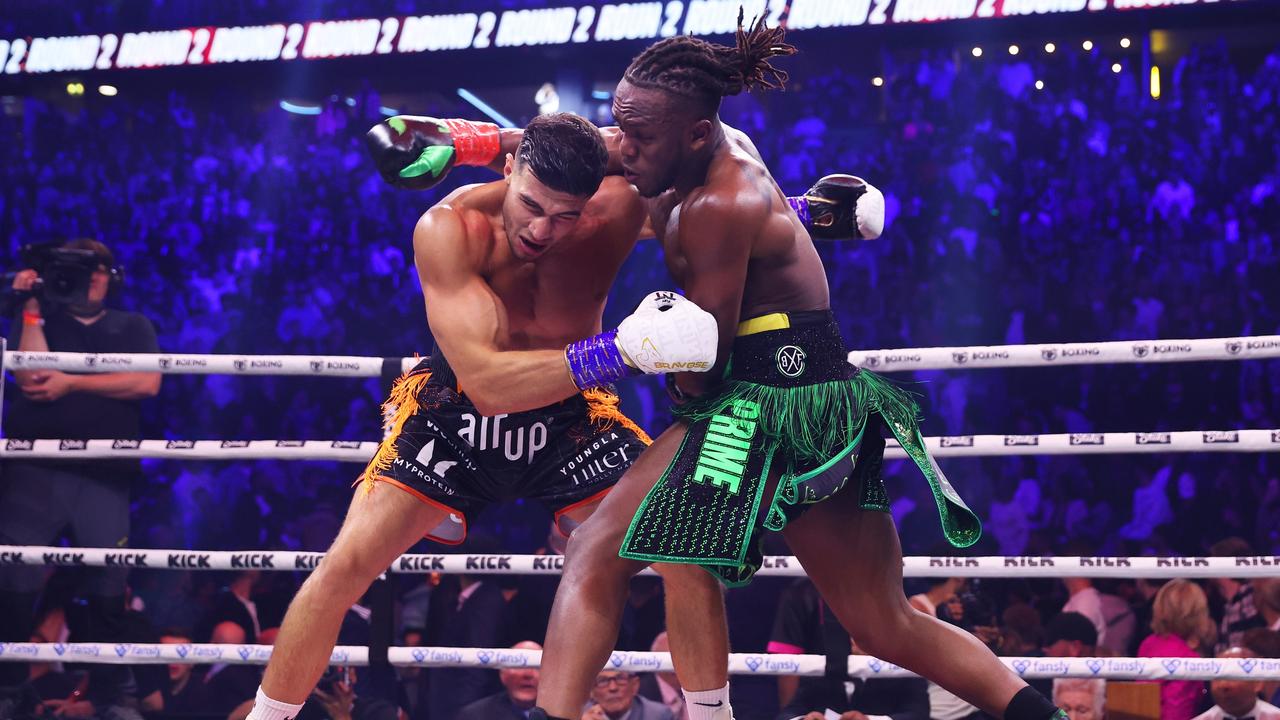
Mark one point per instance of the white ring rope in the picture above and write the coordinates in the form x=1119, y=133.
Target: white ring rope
x=860, y=666
x=1249, y=347
x=774, y=565
x=944, y=446
x=1052, y=354
x=173, y=364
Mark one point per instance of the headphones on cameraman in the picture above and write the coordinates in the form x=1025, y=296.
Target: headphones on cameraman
x=115, y=278
x=114, y=270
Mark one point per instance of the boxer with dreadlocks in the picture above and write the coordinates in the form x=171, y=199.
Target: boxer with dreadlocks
x=782, y=435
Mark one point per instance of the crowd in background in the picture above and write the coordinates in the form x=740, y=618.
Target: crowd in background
x=1078, y=212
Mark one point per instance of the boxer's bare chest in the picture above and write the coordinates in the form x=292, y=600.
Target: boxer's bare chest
x=546, y=304
x=556, y=300
x=664, y=218
x=782, y=273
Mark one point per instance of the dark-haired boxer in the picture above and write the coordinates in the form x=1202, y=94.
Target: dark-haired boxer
x=514, y=402
x=415, y=152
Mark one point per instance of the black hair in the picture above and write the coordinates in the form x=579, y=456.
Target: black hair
x=98, y=248
x=1071, y=626
x=565, y=152
x=706, y=72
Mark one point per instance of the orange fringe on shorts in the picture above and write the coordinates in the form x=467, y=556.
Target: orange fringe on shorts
x=602, y=408
x=402, y=404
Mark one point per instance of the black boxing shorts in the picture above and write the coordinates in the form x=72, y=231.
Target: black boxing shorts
x=442, y=451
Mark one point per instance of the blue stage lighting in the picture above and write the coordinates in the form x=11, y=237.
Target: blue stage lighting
x=287, y=106
x=485, y=108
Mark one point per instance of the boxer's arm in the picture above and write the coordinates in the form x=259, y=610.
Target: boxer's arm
x=715, y=242
x=827, y=214
x=829, y=210
x=508, y=143
x=469, y=324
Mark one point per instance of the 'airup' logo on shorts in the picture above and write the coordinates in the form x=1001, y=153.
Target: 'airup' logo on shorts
x=723, y=458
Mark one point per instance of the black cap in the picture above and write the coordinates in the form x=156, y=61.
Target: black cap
x=1072, y=627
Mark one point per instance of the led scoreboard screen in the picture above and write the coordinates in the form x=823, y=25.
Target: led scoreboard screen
x=568, y=25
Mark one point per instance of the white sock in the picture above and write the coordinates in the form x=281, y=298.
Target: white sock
x=708, y=704
x=264, y=708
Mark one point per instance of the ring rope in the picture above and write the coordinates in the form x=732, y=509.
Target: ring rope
x=860, y=666
x=1253, y=347
x=190, y=364
x=1260, y=440
x=1246, y=347
x=995, y=566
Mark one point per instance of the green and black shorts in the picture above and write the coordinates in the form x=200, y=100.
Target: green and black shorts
x=790, y=402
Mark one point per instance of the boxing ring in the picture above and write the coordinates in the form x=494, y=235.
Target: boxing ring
x=360, y=451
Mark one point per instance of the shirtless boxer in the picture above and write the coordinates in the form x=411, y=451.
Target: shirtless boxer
x=782, y=435
x=416, y=152
x=515, y=274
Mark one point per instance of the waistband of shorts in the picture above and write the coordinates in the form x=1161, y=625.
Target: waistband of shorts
x=444, y=379
x=790, y=349
x=784, y=321
x=441, y=371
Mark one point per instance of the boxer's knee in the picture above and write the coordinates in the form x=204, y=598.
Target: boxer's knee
x=344, y=574
x=884, y=627
x=591, y=558
x=689, y=583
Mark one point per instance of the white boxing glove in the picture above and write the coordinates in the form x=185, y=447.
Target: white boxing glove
x=869, y=213
x=669, y=333
x=840, y=207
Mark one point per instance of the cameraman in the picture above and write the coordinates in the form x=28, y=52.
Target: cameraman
x=39, y=499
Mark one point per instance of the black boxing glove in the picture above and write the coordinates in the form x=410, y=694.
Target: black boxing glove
x=840, y=207
x=415, y=152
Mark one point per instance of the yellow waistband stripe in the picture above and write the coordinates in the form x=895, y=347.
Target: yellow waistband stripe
x=764, y=323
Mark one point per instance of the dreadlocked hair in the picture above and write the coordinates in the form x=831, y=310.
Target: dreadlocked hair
x=706, y=71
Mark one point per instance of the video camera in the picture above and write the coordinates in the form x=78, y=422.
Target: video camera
x=64, y=273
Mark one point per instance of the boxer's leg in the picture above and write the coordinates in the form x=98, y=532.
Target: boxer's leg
x=854, y=558
x=593, y=590
x=381, y=524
